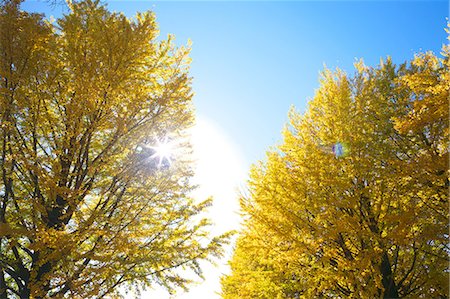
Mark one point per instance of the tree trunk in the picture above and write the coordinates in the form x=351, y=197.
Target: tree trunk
x=390, y=288
x=3, y=293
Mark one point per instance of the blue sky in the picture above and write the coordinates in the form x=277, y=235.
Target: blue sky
x=252, y=60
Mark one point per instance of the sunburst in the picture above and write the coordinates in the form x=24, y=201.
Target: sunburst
x=163, y=151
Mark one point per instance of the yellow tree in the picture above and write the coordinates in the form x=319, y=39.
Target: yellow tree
x=261, y=267
x=91, y=196
x=354, y=203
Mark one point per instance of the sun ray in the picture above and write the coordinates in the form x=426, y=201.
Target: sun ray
x=163, y=151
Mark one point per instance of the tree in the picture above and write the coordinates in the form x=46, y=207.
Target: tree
x=260, y=268
x=354, y=202
x=89, y=200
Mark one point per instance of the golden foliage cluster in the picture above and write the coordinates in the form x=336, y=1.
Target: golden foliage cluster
x=369, y=221
x=83, y=209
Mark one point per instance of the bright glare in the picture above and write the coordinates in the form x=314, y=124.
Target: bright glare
x=220, y=172
x=163, y=151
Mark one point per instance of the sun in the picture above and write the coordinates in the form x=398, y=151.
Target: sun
x=162, y=152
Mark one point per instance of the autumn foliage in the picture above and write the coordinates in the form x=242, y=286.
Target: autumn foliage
x=84, y=209
x=368, y=221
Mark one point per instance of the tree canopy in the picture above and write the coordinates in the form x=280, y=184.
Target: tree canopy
x=354, y=202
x=88, y=201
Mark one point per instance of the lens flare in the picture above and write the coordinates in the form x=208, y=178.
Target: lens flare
x=340, y=149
